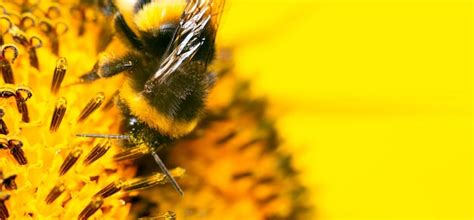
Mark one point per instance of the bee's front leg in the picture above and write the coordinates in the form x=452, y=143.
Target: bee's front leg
x=108, y=67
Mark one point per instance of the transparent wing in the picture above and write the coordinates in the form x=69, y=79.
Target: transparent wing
x=188, y=37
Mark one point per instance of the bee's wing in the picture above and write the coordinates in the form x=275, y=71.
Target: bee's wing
x=188, y=37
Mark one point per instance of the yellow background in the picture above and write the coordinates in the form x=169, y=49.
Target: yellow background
x=374, y=98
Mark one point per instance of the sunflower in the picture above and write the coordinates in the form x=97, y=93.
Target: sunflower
x=234, y=165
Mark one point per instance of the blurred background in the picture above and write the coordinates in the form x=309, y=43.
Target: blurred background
x=373, y=97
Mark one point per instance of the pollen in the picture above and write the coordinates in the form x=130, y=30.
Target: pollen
x=46, y=171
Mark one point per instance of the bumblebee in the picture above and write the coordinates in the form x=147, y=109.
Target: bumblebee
x=167, y=46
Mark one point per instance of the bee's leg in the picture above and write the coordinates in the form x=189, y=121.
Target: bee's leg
x=109, y=68
x=167, y=173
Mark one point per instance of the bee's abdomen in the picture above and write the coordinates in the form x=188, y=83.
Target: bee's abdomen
x=175, y=106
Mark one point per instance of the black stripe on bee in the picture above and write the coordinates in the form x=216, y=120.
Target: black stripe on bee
x=126, y=32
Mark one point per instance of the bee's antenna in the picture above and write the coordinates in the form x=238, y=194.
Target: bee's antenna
x=167, y=173
x=111, y=136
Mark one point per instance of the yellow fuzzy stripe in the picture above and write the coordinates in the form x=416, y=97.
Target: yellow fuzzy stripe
x=144, y=111
x=153, y=15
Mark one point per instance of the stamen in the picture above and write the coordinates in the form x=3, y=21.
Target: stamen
x=22, y=94
x=248, y=144
x=58, y=114
x=30, y=44
x=169, y=215
x=3, y=125
x=91, y=208
x=34, y=44
x=242, y=175
x=110, y=102
x=97, y=152
x=267, y=199
x=59, y=73
x=150, y=181
x=55, y=192
x=4, y=143
x=53, y=12
x=60, y=29
x=70, y=160
x=7, y=91
x=132, y=153
x=9, y=183
x=27, y=21
x=3, y=208
x=226, y=138
x=5, y=25
x=67, y=199
x=5, y=65
x=265, y=180
x=17, y=152
x=93, y=104
x=23, y=109
x=110, y=189
x=80, y=14
x=53, y=32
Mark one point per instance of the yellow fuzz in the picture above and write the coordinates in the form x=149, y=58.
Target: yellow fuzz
x=46, y=150
x=159, y=12
x=142, y=109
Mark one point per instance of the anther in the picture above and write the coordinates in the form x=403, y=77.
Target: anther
x=55, y=192
x=58, y=114
x=53, y=32
x=5, y=65
x=69, y=161
x=132, y=153
x=27, y=21
x=97, y=152
x=17, y=152
x=267, y=199
x=80, y=14
x=7, y=91
x=91, y=208
x=22, y=95
x=13, y=48
x=9, y=183
x=226, y=138
x=34, y=44
x=4, y=143
x=3, y=125
x=242, y=175
x=93, y=104
x=169, y=215
x=60, y=29
x=3, y=208
x=59, y=73
x=53, y=12
x=5, y=25
x=23, y=109
x=150, y=181
x=110, y=189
